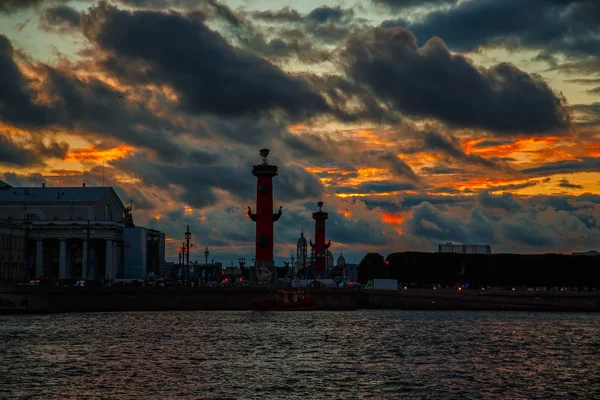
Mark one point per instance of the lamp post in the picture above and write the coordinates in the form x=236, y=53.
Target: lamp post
x=206, y=253
x=182, y=262
x=293, y=272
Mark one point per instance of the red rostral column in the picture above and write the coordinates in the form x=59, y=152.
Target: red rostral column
x=264, y=216
x=320, y=247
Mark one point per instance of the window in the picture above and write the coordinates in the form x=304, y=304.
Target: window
x=108, y=213
x=33, y=217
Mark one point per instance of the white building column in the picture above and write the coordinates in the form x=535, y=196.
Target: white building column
x=39, y=258
x=84, y=260
x=108, y=269
x=62, y=260
x=115, y=259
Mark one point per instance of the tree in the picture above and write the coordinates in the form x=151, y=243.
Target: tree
x=372, y=266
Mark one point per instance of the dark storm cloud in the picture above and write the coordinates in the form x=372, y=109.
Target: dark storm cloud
x=12, y=153
x=325, y=14
x=378, y=187
x=16, y=100
x=60, y=18
x=207, y=73
x=324, y=24
x=162, y=4
x=403, y=4
x=286, y=14
x=506, y=201
x=95, y=107
x=388, y=159
x=200, y=181
x=585, y=164
x=431, y=82
x=547, y=58
x=295, y=183
x=590, y=112
x=383, y=187
x=356, y=102
x=90, y=106
x=492, y=143
x=434, y=141
x=29, y=152
x=564, y=183
x=566, y=26
x=427, y=221
x=11, y=6
x=526, y=232
x=441, y=170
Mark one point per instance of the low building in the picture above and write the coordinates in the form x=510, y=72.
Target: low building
x=465, y=248
x=69, y=232
x=144, y=253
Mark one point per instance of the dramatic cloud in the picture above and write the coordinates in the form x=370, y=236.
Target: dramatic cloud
x=431, y=82
x=17, y=101
x=566, y=26
x=403, y=4
x=208, y=74
x=409, y=143
x=11, y=6
x=29, y=152
x=61, y=18
x=565, y=167
x=564, y=183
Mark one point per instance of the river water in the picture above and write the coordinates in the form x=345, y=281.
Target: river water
x=364, y=354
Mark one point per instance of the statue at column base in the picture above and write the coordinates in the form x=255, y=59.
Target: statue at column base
x=264, y=273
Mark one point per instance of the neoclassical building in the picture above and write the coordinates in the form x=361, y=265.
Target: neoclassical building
x=61, y=233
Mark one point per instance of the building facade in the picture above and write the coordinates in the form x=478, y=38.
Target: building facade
x=61, y=233
x=465, y=248
x=13, y=261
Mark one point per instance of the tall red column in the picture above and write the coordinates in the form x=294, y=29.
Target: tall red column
x=320, y=247
x=264, y=216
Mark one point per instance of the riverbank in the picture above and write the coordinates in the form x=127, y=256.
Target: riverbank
x=32, y=299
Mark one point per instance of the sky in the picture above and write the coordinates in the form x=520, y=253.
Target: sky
x=415, y=122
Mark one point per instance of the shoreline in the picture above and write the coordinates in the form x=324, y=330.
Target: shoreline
x=45, y=300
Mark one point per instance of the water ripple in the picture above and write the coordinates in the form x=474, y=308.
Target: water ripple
x=364, y=354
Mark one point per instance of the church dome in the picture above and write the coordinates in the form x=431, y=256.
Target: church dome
x=302, y=239
x=341, y=260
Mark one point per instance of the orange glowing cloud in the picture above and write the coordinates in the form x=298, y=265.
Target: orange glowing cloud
x=392, y=218
x=91, y=154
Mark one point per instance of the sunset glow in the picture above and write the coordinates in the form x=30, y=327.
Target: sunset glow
x=361, y=110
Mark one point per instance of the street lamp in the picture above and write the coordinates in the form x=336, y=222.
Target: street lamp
x=206, y=253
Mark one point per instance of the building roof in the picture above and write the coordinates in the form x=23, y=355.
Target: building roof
x=64, y=195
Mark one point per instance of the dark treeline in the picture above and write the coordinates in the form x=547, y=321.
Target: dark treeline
x=498, y=270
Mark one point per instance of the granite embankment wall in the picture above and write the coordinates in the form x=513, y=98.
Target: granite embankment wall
x=71, y=299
